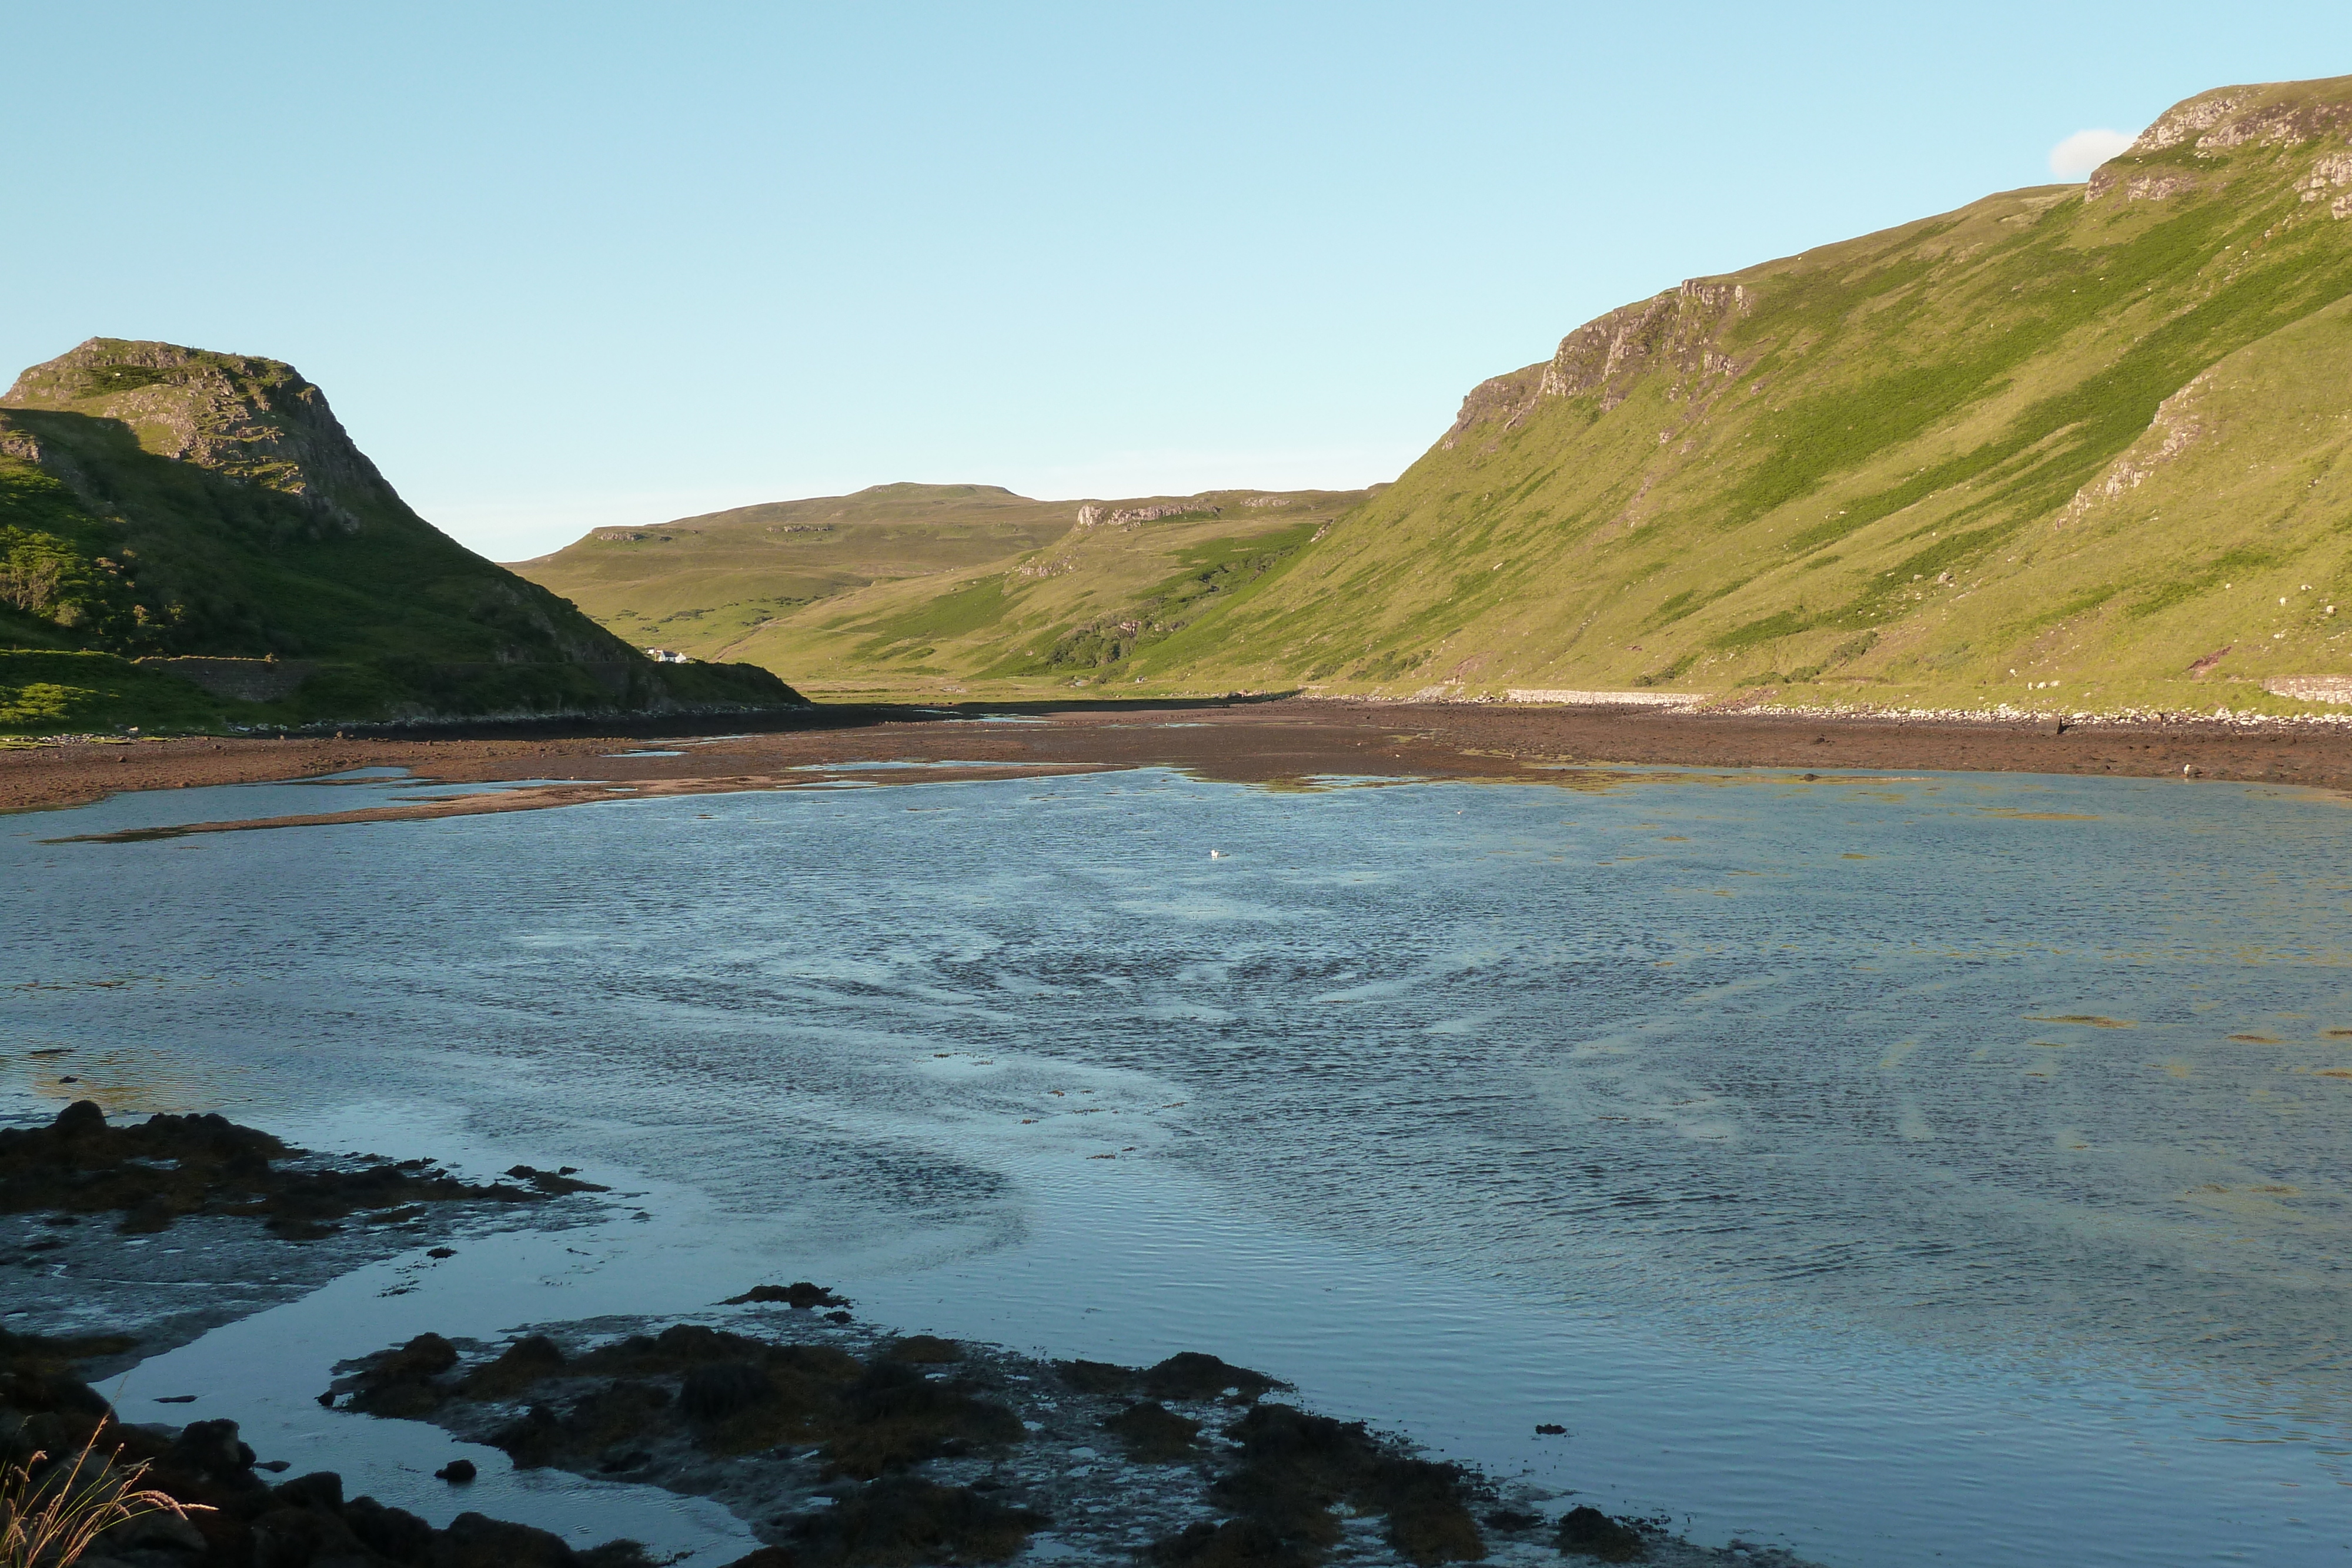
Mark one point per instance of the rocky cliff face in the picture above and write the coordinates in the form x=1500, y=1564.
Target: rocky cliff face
x=1680, y=327
x=256, y=420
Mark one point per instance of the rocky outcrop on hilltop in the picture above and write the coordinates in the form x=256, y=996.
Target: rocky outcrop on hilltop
x=2181, y=151
x=1093, y=515
x=1682, y=328
x=253, y=420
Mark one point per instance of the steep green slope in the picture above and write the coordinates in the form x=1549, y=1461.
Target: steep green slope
x=2076, y=446
x=916, y=591
x=2068, y=446
x=164, y=502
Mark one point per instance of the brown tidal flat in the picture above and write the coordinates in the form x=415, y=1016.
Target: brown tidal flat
x=1244, y=742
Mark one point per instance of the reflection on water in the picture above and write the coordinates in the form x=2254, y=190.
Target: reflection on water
x=1978, y=1142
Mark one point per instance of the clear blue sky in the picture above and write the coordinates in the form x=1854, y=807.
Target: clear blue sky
x=559, y=266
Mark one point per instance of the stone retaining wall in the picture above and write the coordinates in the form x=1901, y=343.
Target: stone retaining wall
x=239, y=680
x=1608, y=699
x=2311, y=688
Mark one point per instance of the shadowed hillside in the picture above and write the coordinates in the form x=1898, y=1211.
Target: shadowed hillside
x=207, y=514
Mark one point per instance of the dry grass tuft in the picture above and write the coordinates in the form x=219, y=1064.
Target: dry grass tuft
x=50, y=1514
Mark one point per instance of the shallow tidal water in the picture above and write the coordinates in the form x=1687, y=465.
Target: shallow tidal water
x=1935, y=1168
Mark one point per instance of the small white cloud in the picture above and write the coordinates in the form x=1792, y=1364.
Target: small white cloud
x=2074, y=157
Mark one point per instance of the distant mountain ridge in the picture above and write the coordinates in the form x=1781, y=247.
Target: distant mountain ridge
x=172, y=504
x=912, y=589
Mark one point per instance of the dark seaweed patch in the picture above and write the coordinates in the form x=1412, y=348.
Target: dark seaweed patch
x=1230, y=1544
x=1297, y=1466
x=800, y=1293
x=1190, y=1377
x=1097, y=1376
x=727, y=1393
x=899, y=1521
x=926, y=1350
x=1589, y=1533
x=516, y=1367
x=400, y=1382
x=155, y=1171
x=1154, y=1435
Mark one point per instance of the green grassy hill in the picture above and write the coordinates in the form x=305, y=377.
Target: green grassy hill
x=2070, y=447
x=2067, y=448
x=206, y=513
x=920, y=590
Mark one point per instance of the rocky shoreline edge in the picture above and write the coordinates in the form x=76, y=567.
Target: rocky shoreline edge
x=127, y=1239
x=839, y=1443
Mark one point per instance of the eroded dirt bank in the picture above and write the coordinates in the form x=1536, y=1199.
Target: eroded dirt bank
x=1244, y=742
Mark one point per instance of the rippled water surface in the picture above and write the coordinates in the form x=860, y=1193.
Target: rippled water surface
x=1907, y=1169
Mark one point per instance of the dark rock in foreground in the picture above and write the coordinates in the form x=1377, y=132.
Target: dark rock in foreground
x=157, y=1171
x=851, y=1449
x=237, y=1518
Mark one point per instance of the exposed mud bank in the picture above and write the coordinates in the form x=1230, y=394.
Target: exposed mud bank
x=1246, y=743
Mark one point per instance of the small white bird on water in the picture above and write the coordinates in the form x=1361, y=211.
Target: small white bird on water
x=1216, y=855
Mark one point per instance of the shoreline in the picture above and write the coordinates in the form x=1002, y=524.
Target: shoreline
x=1190, y=1463
x=1117, y=1462
x=222, y=1222
x=1288, y=740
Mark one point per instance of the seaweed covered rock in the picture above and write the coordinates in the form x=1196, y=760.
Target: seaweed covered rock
x=902, y=1520
x=894, y=1416
x=475, y=1541
x=521, y=1365
x=840, y=1451
x=1187, y=1377
x=37, y=1372
x=1097, y=1376
x=1154, y=1435
x=235, y=1518
x=1297, y=1466
x=155, y=1172
x=212, y=1453
x=1243, y=1542
x=714, y=1391
x=1191, y=1376
x=400, y=1382
x=720, y=1392
x=556, y=1182
x=800, y=1295
x=1586, y=1531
